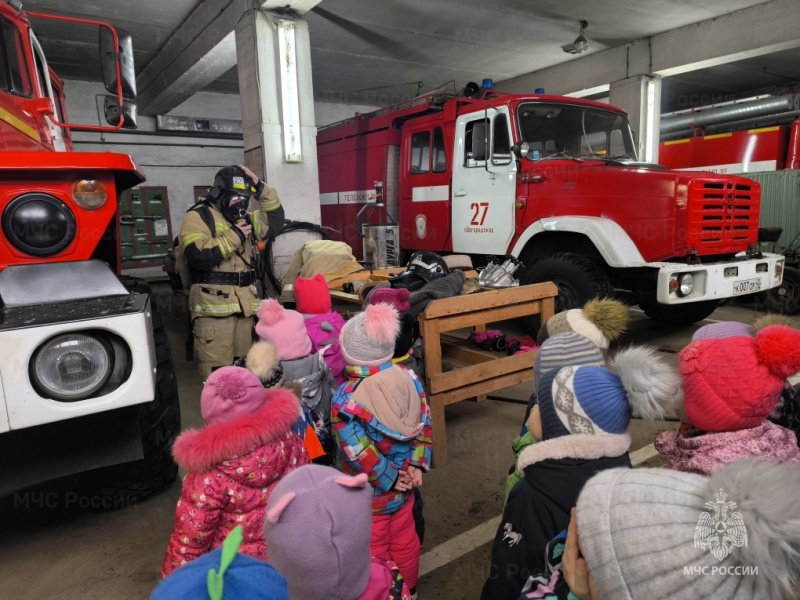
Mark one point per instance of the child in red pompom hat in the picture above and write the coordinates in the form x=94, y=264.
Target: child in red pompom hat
x=730, y=387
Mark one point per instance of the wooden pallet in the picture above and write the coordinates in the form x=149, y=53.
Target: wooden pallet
x=483, y=372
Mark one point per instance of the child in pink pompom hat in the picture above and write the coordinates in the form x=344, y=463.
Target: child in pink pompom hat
x=286, y=330
x=232, y=464
x=731, y=383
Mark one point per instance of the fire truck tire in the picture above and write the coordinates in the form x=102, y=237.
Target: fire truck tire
x=785, y=299
x=578, y=277
x=160, y=421
x=683, y=314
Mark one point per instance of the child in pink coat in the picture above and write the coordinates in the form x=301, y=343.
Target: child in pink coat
x=232, y=465
x=318, y=531
x=732, y=380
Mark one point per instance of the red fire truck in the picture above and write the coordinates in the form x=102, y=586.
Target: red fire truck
x=553, y=181
x=86, y=379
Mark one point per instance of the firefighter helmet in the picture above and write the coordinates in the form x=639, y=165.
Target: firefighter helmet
x=423, y=267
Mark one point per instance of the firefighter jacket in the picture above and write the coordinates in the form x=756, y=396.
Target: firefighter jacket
x=212, y=245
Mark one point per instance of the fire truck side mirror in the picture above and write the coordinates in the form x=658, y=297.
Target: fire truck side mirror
x=108, y=60
x=113, y=111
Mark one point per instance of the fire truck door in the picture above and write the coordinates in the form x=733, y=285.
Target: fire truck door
x=484, y=183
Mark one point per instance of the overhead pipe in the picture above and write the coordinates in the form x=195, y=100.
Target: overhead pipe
x=764, y=121
x=733, y=112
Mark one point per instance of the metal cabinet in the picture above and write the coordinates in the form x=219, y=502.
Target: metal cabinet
x=145, y=232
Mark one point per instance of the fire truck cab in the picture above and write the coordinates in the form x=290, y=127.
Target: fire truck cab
x=86, y=377
x=555, y=182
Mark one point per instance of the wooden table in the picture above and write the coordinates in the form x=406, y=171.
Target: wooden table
x=485, y=372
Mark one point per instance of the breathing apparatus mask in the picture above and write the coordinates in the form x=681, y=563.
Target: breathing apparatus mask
x=230, y=193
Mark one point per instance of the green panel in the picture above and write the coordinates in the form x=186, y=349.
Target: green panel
x=145, y=243
x=780, y=201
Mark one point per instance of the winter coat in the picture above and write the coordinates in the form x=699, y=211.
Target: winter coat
x=382, y=424
x=444, y=287
x=385, y=582
x=539, y=506
x=317, y=388
x=231, y=470
x=696, y=452
x=549, y=585
x=224, y=250
x=324, y=330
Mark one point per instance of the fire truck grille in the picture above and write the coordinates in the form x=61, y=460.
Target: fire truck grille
x=723, y=215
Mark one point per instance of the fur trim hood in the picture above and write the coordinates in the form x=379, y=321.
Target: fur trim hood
x=201, y=450
x=578, y=446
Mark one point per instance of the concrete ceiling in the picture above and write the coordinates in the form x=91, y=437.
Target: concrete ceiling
x=370, y=52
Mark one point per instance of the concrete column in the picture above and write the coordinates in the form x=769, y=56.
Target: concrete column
x=640, y=95
x=257, y=54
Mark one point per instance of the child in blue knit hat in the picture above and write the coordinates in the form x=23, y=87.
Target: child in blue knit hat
x=579, y=423
x=224, y=574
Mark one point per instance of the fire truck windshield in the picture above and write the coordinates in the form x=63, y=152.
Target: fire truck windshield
x=574, y=132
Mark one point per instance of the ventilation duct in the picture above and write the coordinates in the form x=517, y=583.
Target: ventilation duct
x=671, y=126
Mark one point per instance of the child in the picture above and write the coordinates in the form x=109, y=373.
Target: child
x=286, y=330
x=653, y=534
x=403, y=353
x=381, y=423
x=232, y=464
x=318, y=532
x=224, y=574
x=731, y=384
x=580, y=423
x=323, y=324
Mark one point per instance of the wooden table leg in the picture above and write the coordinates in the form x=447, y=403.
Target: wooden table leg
x=438, y=432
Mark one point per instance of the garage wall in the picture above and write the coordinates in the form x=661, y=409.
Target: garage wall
x=178, y=162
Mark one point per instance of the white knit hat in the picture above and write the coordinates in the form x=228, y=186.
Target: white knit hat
x=368, y=338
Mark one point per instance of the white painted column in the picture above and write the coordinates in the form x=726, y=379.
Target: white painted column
x=258, y=57
x=640, y=95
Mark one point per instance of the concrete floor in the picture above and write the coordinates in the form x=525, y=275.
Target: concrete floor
x=46, y=553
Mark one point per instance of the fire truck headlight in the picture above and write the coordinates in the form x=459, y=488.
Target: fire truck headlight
x=72, y=367
x=89, y=194
x=685, y=284
x=38, y=224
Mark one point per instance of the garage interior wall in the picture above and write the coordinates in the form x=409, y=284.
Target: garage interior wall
x=178, y=162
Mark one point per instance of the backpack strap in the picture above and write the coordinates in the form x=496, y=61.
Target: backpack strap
x=202, y=209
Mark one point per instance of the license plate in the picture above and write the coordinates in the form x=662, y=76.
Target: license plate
x=747, y=286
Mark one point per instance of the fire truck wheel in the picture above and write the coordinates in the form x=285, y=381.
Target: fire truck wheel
x=160, y=421
x=784, y=299
x=578, y=277
x=683, y=314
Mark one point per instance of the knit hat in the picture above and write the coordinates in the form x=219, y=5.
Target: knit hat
x=722, y=329
x=601, y=320
x=565, y=350
x=733, y=383
x=284, y=328
x=317, y=529
x=369, y=337
x=594, y=400
x=640, y=529
x=405, y=339
x=313, y=297
x=224, y=573
x=230, y=393
x=262, y=361
x=397, y=297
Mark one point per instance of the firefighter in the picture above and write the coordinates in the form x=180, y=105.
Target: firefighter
x=221, y=237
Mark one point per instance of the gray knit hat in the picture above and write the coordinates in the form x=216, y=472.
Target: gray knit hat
x=655, y=533
x=368, y=338
x=566, y=350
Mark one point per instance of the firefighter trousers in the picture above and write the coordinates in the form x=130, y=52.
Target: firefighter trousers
x=220, y=340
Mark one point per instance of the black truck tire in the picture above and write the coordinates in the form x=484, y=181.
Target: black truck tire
x=125, y=484
x=680, y=314
x=578, y=278
x=784, y=299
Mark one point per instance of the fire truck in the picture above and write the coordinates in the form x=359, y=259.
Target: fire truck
x=87, y=386
x=553, y=181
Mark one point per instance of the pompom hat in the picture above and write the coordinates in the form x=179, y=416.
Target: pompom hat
x=313, y=297
x=565, y=350
x=368, y=338
x=317, y=528
x=397, y=297
x=230, y=393
x=285, y=329
x=601, y=320
x=733, y=383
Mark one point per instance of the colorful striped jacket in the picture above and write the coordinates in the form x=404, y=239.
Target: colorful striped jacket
x=367, y=445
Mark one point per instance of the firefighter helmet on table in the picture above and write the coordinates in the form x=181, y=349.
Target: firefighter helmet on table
x=423, y=267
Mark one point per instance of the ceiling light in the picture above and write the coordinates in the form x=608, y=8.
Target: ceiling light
x=580, y=44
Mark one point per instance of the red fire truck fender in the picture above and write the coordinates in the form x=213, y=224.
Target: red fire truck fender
x=611, y=240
